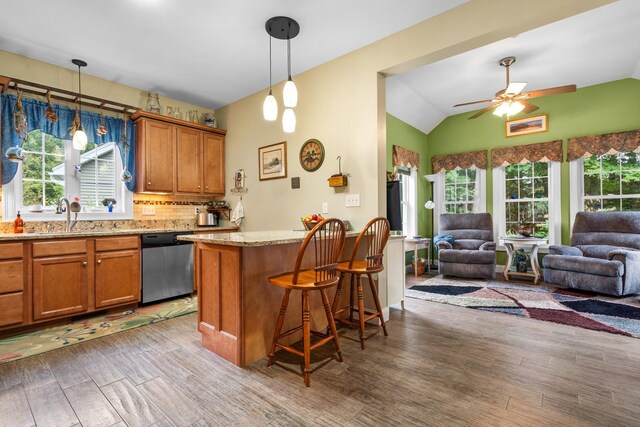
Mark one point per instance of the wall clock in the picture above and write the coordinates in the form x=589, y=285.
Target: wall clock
x=311, y=155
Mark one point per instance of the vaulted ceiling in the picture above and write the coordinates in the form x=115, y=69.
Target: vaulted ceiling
x=594, y=47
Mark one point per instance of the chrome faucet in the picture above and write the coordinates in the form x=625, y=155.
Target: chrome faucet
x=67, y=208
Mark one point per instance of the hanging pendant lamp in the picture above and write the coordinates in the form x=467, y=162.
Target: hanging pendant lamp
x=270, y=105
x=79, y=136
x=282, y=28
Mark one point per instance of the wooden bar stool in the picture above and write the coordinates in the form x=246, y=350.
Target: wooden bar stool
x=327, y=238
x=374, y=235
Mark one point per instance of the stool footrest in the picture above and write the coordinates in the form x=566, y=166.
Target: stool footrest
x=321, y=342
x=290, y=349
x=290, y=331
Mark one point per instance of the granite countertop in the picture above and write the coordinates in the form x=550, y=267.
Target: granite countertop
x=254, y=238
x=112, y=232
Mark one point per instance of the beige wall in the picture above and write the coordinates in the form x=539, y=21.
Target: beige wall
x=341, y=103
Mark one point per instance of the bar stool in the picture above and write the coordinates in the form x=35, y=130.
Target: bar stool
x=327, y=238
x=375, y=235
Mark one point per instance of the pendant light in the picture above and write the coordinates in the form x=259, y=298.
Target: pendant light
x=270, y=105
x=290, y=92
x=79, y=136
x=289, y=120
x=282, y=28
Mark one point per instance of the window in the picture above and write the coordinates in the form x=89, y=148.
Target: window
x=457, y=191
x=611, y=182
x=42, y=170
x=460, y=191
x=527, y=197
x=53, y=169
x=527, y=193
x=408, y=190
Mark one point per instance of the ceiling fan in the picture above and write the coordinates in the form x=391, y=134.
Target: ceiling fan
x=512, y=100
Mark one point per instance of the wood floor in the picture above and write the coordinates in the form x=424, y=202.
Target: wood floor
x=440, y=365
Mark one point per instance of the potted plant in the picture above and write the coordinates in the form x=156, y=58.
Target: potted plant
x=521, y=259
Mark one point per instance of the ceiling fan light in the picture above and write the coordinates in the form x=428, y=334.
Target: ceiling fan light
x=270, y=108
x=290, y=94
x=79, y=140
x=501, y=110
x=515, y=108
x=289, y=121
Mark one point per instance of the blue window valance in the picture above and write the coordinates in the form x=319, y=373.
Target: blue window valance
x=34, y=112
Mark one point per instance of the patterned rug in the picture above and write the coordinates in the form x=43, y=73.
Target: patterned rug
x=566, y=306
x=40, y=341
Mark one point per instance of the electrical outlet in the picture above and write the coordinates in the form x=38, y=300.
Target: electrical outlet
x=148, y=210
x=325, y=207
x=352, y=200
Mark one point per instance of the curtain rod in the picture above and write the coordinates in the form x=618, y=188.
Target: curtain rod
x=63, y=95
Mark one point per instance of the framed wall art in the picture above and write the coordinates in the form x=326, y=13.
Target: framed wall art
x=272, y=161
x=527, y=125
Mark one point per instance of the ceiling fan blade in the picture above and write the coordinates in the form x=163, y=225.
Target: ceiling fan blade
x=515, y=88
x=474, y=102
x=528, y=107
x=551, y=91
x=485, y=110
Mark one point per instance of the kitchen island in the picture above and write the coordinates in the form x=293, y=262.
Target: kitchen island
x=237, y=307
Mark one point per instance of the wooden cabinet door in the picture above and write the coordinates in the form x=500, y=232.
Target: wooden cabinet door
x=159, y=156
x=117, y=278
x=60, y=286
x=213, y=163
x=189, y=158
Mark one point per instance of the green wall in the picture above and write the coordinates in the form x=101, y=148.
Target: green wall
x=400, y=133
x=598, y=109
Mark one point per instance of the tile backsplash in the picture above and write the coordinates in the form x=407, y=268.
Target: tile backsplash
x=170, y=211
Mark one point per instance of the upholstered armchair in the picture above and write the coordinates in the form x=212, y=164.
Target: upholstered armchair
x=604, y=255
x=473, y=252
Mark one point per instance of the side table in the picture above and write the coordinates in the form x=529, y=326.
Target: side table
x=419, y=243
x=529, y=244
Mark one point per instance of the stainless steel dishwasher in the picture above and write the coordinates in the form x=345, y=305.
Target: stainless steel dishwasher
x=167, y=266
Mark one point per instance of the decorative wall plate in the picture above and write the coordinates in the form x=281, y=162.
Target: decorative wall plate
x=311, y=155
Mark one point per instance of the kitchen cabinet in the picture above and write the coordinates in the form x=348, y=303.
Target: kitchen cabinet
x=13, y=285
x=189, y=164
x=60, y=271
x=117, y=271
x=213, y=163
x=198, y=150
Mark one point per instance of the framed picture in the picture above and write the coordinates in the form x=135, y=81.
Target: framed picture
x=527, y=125
x=272, y=161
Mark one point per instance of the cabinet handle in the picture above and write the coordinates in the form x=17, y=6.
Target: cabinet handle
x=198, y=186
x=206, y=188
x=84, y=263
x=149, y=183
x=99, y=261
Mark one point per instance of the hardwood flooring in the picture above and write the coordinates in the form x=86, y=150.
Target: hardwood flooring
x=440, y=365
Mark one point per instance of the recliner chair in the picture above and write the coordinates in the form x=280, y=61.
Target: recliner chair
x=604, y=255
x=473, y=252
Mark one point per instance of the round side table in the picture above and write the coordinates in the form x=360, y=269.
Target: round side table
x=529, y=244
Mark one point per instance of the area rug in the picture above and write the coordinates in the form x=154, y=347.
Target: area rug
x=543, y=302
x=40, y=341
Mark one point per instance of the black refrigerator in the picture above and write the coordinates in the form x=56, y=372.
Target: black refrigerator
x=394, y=208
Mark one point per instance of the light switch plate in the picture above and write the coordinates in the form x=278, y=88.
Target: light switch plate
x=352, y=200
x=148, y=210
x=325, y=207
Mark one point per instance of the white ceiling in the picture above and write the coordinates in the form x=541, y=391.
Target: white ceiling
x=594, y=47
x=208, y=52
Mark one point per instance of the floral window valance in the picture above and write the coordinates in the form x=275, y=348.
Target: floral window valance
x=596, y=145
x=34, y=112
x=541, y=152
x=449, y=162
x=405, y=157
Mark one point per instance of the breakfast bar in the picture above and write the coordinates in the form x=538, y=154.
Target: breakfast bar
x=237, y=307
